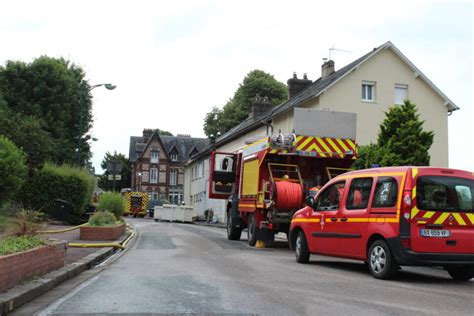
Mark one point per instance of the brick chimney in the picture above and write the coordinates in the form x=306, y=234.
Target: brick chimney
x=147, y=132
x=296, y=85
x=327, y=69
x=261, y=106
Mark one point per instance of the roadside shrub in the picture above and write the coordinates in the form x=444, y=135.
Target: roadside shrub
x=52, y=182
x=13, y=244
x=13, y=169
x=103, y=218
x=112, y=202
x=27, y=223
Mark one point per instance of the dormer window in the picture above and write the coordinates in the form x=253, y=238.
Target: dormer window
x=154, y=156
x=193, y=152
x=174, y=154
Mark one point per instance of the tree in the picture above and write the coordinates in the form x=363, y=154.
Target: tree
x=27, y=134
x=401, y=140
x=162, y=132
x=256, y=82
x=126, y=173
x=51, y=94
x=13, y=169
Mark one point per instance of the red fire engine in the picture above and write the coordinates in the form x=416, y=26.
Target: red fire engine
x=266, y=182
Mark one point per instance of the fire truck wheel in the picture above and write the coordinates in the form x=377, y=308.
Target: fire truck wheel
x=251, y=231
x=233, y=233
x=464, y=273
x=301, y=248
x=382, y=265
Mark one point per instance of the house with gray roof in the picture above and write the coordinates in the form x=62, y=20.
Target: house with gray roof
x=367, y=87
x=158, y=163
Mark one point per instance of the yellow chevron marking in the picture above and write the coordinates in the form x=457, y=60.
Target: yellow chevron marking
x=471, y=218
x=322, y=144
x=340, y=142
x=329, y=140
x=442, y=218
x=317, y=149
x=414, y=211
x=459, y=219
x=414, y=172
x=304, y=143
x=352, y=145
x=273, y=151
x=413, y=193
x=428, y=214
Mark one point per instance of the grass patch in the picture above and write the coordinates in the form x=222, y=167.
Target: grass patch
x=13, y=244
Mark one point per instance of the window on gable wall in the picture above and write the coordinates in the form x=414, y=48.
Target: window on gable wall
x=401, y=93
x=368, y=91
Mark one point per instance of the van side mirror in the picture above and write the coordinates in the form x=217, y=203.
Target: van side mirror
x=309, y=201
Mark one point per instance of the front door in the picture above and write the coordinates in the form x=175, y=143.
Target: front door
x=324, y=226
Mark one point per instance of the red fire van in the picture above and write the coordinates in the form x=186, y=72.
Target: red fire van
x=389, y=217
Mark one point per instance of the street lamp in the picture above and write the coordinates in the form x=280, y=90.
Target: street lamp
x=83, y=90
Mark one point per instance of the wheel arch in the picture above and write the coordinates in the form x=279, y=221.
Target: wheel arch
x=374, y=237
x=292, y=236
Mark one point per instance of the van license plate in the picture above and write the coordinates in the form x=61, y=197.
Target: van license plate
x=435, y=233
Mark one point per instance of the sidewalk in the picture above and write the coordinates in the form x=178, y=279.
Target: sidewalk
x=78, y=260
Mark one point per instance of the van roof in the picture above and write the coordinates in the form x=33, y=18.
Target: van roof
x=406, y=168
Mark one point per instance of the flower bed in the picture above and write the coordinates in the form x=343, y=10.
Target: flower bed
x=101, y=232
x=18, y=267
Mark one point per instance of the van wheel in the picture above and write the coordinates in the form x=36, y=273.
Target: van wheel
x=301, y=248
x=251, y=231
x=382, y=265
x=464, y=273
x=233, y=233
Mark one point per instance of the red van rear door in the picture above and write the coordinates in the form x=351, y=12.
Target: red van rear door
x=442, y=219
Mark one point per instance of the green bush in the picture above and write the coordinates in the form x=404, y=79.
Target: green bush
x=112, y=202
x=103, y=218
x=74, y=185
x=12, y=244
x=13, y=169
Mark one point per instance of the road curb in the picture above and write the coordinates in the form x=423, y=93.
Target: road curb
x=28, y=291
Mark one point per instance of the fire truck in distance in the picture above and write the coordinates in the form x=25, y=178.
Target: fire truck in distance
x=267, y=181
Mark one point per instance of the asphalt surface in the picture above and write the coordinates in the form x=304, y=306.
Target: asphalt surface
x=190, y=269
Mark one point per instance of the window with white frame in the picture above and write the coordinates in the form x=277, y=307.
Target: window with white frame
x=368, y=91
x=174, y=155
x=154, y=155
x=153, y=175
x=173, y=176
x=401, y=93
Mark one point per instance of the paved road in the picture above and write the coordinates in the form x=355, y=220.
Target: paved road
x=179, y=268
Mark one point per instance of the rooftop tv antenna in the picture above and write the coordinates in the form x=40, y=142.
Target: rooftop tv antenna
x=332, y=49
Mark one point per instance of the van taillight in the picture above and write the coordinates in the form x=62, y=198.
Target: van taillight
x=406, y=205
x=406, y=242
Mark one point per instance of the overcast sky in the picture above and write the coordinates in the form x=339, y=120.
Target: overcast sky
x=172, y=61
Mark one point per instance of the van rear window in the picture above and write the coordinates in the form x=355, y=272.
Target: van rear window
x=444, y=194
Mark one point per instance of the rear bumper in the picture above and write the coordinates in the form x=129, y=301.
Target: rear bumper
x=409, y=257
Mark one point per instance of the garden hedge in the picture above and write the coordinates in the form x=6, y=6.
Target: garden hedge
x=71, y=184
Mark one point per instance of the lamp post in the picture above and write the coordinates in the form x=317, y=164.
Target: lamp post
x=83, y=90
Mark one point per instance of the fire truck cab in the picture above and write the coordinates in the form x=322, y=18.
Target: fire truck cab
x=389, y=217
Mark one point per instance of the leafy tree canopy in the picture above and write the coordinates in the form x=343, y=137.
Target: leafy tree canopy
x=401, y=140
x=51, y=95
x=256, y=82
x=126, y=174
